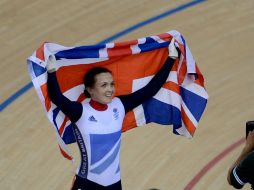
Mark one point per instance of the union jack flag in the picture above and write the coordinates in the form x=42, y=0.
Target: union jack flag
x=180, y=102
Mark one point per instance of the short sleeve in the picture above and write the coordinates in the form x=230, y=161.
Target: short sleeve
x=244, y=172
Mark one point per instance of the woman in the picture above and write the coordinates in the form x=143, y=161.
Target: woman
x=98, y=123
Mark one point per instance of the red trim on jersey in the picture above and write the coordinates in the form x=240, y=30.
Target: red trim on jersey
x=98, y=106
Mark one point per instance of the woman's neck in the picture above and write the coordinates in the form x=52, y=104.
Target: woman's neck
x=98, y=106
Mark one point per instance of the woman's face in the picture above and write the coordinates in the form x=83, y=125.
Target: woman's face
x=103, y=88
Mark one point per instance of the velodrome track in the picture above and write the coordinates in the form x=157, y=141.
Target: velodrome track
x=220, y=36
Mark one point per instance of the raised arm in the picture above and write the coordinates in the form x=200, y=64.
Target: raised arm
x=133, y=100
x=72, y=109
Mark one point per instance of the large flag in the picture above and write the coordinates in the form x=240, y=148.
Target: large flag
x=180, y=102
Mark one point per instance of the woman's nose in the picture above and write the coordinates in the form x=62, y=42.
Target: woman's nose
x=110, y=88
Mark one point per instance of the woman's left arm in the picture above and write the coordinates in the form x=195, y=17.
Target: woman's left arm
x=135, y=99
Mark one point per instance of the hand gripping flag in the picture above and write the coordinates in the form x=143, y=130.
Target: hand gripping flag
x=180, y=102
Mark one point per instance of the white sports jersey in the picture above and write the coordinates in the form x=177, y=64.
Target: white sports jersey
x=98, y=134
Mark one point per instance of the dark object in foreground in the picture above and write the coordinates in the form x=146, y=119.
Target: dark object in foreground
x=249, y=127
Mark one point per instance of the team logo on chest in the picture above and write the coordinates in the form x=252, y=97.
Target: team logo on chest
x=116, y=113
x=92, y=118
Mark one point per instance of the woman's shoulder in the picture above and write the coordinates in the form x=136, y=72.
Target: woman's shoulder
x=116, y=101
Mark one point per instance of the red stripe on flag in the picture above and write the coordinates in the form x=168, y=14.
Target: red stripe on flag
x=126, y=43
x=66, y=76
x=182, y=72
x=73, y=75
x=165, y=36
x=129, y=122
x=64, y=153
x=172, y=86
x=145, y=64
x=40, y=52
x=122, y=48
x=119, y=51
x=175, y=66
x=200, y=78
x=183, y=68
x=187, y=122
x=62, y=127
x=81, y=97
x=182, y=49
x=44, y=90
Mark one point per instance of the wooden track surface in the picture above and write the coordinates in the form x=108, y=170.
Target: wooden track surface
x=220, y=36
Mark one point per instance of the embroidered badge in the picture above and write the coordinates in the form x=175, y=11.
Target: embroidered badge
x=116, y=113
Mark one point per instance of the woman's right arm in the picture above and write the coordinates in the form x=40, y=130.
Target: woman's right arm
x=73, y=110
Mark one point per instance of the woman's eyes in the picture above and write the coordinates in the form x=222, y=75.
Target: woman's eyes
x=105, y=84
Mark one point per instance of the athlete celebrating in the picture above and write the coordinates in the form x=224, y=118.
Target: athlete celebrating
x=98, y=123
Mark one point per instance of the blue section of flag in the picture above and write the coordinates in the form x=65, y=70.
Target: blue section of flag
x=55, y=113
x=68, y=136
x=98, y=146
x=151, y=44
x=195, y=103
x=80, y=52
x=37, y=69
x=160, y=112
